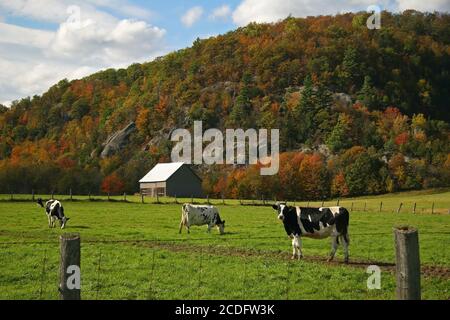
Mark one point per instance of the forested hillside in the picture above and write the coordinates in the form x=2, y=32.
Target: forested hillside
x=360, y=111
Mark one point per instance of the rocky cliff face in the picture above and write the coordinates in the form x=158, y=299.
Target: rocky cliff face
x=117, y=141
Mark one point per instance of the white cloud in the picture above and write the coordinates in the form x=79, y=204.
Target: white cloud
x=32, y=60
x=192, y=16
x=272, y=11
x=18, y=35
x=221, y=12
x=56, y=10
x=421, y=5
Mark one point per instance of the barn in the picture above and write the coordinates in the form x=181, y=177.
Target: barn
x=172, y=179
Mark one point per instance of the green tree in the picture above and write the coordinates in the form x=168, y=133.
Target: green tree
x=79, y=109
x=3, y=109
x=304, y=112
x=241, y=112
x=350, y=70
x=339, y=139
x=368, y=94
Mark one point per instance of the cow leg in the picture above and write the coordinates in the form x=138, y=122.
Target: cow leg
x=49, y=221
x=299, y=248
x=345, y=244
x=181, y=227
x=334, y=246
x=209, y=228
x=296, y=248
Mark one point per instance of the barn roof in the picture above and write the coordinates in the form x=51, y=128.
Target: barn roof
x=162, y=172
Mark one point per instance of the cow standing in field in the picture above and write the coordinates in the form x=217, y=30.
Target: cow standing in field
x=201, y=215
x=54, y=211
x=316, y=223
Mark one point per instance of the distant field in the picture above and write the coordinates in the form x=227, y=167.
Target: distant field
x=133, y=251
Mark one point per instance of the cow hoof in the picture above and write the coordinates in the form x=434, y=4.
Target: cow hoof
x=330, y=260
x=346, y=261
x=293, y=258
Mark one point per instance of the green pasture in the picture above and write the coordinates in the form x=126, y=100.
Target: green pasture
x=132, y=250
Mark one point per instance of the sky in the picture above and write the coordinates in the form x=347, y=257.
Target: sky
x=45, y=41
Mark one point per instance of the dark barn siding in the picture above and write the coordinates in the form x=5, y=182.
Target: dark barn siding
x=184, y=183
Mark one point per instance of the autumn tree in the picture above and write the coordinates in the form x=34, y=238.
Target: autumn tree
x=112, y=184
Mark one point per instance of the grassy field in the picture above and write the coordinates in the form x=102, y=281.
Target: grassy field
x=133, y=251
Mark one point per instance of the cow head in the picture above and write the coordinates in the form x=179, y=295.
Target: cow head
x=280, y=207
x=63, y=222
x=221, y=227
x=40, y=202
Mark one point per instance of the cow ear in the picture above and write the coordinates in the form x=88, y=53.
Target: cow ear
x=275, y=207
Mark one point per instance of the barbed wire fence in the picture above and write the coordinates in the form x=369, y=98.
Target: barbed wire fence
x=353, y=205
x=151, y=269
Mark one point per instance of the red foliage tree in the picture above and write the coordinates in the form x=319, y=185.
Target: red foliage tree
x=402, y=139
x=112, y=184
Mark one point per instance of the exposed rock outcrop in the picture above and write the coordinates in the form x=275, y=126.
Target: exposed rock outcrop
x=342, y=100
x=117, y=141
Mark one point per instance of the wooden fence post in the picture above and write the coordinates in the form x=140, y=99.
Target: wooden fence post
x=415, y=206
x=124, y=197
x=32, y=195
x=53, y=195
x=89, y=195
x=69, y=268
x=407, y=263
x=176, y=201
x=432, y=209
x=142, y=198
x=70, y=193
x=337, y=204
x=192, y=199
x=108, y=196
x=365, y=206
x=223, y=199
x=399, y=208
x=381, y=206
x=11, y=196
x=351, y=210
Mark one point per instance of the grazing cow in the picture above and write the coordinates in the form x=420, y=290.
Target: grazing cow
x=316, y=223
x=201, y=215
x=54, y=211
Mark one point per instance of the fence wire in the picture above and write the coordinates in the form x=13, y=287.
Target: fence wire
x=111, y=271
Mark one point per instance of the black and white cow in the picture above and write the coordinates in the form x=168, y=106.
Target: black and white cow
x=199, y=216
x=316, y=223
x=54, y=211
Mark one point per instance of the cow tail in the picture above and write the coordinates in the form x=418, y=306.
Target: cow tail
x=346, y=216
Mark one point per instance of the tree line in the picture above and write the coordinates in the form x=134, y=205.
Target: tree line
x=359, y=111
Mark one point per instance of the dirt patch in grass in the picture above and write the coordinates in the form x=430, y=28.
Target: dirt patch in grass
x=427, y=270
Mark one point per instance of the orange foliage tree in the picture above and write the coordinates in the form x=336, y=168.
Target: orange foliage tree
x=112, y=184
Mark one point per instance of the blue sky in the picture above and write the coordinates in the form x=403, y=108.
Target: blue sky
x=44, y=41
x=165, y=14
